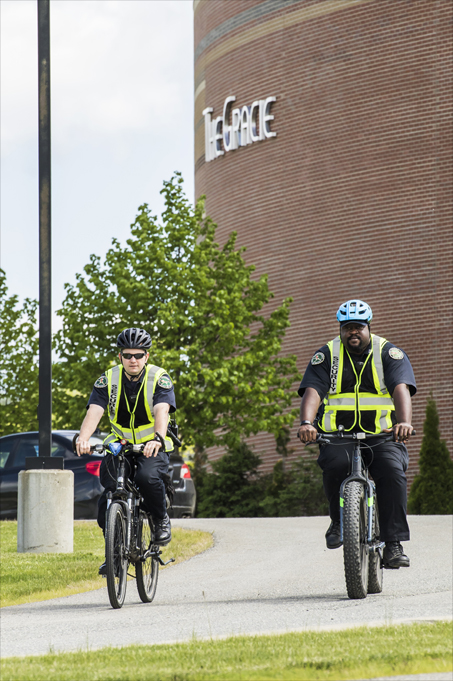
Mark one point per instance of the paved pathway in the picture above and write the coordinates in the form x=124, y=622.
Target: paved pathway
x=262, y=575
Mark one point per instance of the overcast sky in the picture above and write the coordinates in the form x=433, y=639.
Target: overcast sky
x=122, y=122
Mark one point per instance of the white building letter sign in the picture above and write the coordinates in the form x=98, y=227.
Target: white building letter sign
x=238, y=127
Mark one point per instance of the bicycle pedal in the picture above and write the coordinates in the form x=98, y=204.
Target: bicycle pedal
x=172, y=560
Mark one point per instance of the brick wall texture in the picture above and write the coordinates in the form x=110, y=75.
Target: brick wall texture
x=353, y=197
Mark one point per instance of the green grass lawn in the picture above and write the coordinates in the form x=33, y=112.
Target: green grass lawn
x=28, y=577
x=349, y=654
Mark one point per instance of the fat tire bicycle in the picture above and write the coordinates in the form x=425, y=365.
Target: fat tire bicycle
x=129, y=531
x=359, y=518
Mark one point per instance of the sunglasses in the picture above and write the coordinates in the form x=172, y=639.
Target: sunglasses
x=128, y=355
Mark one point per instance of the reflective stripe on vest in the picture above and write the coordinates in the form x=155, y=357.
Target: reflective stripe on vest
x=143, y=433
x=357, y=401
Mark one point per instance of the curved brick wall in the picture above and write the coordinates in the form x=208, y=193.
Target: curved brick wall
x=352, y=198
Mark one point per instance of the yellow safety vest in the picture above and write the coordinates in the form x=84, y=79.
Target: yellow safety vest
x=129, y=431
x=338, y=405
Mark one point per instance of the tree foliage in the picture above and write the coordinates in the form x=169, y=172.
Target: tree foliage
x=231, y=490
x=19, y=369
x=236, y=489
x=205, y=314
x=432, y=489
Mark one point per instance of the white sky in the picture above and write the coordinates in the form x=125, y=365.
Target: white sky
x=122, y=122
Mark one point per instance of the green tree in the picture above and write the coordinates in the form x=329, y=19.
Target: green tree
x=19, y=369
x=205, y=314
x=233, y=489
x=297, y=491
x=432, y=490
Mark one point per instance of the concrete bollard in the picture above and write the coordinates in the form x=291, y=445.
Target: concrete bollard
x=45, y=511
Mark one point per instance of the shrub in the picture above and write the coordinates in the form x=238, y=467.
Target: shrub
x=236, y=489
x=432, y=490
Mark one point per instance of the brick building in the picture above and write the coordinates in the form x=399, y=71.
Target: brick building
x=352, y=195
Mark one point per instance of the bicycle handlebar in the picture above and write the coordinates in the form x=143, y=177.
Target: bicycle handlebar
x=341, y=435
x=128, y=446
x=328, y=437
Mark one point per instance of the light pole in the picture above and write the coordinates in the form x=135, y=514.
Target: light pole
x=45, y=294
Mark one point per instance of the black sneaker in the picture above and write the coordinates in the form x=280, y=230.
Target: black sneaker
x=162, y=531
x=103, y=569
x=333, y=536
x=394, y=556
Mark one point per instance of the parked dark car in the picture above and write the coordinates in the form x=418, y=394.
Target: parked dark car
x=14, y=449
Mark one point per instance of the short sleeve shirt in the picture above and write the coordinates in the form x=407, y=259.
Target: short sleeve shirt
x=396, y=365
x=164, y=391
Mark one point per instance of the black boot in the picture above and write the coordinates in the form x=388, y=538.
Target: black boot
x=394, y=556
x=162, y=531
x=103, y=569
x=333, y=536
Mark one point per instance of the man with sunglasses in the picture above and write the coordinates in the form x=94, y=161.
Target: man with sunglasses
x=139, y=398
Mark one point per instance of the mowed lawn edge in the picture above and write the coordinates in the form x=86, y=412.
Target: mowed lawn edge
x=31, y=577
x=357, y=653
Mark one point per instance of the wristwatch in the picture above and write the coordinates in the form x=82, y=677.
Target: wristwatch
x=306, y=423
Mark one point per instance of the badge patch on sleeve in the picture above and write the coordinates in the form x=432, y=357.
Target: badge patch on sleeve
x=396, y=353
x=318, y=358
x=101, y=382
x=165, y=382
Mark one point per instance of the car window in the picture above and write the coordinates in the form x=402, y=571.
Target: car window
x=26, y=448
x=58, y=449
x=5, y=450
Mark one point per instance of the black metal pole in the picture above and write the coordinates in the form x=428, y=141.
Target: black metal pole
x=45, y=298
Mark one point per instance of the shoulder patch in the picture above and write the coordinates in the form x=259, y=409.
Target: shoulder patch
x=396, y=353
x=318, y=358
x=102, y=382
x=165, y=382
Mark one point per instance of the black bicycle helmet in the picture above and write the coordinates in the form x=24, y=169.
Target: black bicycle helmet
x=134, y=338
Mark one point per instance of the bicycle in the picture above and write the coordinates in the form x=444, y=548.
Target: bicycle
x=129, y=531
x=359, y=519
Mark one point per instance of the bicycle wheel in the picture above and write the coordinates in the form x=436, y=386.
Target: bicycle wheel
x=147, y=571
x=115, y=555
x=375, y=568
x=355, y=549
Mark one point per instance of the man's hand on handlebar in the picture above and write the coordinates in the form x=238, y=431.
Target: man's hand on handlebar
x=307, y=433
x=151, y=448
x=83, y=447
x=401, y=431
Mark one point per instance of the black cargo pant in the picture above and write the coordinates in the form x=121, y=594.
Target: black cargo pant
x=147, y=473
x=387, y=464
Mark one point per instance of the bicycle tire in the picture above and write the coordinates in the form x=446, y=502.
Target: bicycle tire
x=375, y=567
x=147, y=571
x=115, y=555
x=355, y=548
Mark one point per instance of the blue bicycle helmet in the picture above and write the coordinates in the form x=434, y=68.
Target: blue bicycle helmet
x=354, y=311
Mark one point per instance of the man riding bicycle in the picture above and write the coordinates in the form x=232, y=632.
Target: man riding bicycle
x=364, y=383
x=139, y=398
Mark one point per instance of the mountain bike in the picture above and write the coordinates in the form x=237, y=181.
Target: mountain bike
x=359, y=518
x=129, y=531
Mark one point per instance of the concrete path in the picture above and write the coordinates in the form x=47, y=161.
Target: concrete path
x=262, y=575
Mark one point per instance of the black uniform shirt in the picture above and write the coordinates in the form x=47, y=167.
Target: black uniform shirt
x=396, y=371
x=100, y=395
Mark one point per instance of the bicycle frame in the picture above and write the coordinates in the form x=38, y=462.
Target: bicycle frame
x=358, y=476
x=128, y=495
